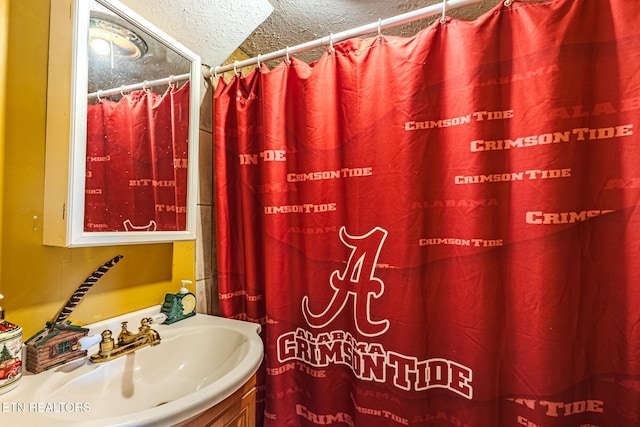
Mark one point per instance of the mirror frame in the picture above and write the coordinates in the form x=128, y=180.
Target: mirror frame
x=66, y=130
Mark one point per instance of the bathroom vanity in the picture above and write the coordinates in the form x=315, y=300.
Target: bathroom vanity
x=238, y=410
x=201, y=373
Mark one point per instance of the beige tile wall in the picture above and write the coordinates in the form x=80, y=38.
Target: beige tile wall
x=206, y=275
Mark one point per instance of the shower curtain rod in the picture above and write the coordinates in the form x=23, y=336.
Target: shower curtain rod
x=136, y=86
x=382, y=24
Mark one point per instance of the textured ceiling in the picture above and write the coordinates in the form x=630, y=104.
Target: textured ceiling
x=213, y=30
x=295, y=22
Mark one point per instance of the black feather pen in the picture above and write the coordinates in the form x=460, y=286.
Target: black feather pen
x=83, y=289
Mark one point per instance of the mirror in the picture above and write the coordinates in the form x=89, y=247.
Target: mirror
x=122, y=129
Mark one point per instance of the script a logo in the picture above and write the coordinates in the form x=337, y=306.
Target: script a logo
x=358, y=281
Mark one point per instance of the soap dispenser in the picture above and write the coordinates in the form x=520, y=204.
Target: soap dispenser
x=10, y=353
x=179, y=306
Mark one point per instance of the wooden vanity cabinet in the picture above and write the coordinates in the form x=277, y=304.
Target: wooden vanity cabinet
x=237, y=410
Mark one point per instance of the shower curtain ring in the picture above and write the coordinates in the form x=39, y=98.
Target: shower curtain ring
x=215, y=72
x=144, y=86
x=286, y=56
x=98, y=95
x=331, y=49
x=122, y=90
x=508, y=2
x=443, y=19
x=171, y=82
x=258, y=62
x=379, y=28
x=235, y=67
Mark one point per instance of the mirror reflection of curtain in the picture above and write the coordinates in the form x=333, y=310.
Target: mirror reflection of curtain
x=137, y=151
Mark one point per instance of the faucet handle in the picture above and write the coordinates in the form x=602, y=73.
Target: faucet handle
x=144, y=324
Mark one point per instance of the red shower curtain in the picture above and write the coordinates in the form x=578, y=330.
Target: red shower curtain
x=137, y=152
x=442, y=230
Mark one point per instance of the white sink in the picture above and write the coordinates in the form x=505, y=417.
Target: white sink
x=199, y=362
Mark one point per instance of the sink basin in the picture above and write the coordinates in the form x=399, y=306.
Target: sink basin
x=199, y=362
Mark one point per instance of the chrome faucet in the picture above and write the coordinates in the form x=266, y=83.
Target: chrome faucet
x=127, y=341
